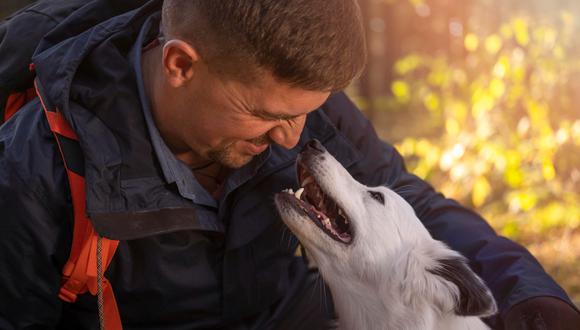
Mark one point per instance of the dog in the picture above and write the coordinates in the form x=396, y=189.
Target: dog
x=383, y=268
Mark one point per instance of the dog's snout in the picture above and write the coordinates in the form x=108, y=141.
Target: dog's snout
x=314, y=146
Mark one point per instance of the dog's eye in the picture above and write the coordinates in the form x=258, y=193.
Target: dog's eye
x=377, y=196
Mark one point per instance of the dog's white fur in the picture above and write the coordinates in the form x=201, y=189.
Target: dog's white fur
x=386, y=278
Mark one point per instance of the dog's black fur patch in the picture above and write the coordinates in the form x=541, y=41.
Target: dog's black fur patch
x=474, y=296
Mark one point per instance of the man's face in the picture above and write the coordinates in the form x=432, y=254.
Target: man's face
x=230, y=122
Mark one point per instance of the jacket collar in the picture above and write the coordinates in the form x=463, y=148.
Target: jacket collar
x=89, y=79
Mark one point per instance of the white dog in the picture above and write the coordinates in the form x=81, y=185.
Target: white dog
x=383, y=268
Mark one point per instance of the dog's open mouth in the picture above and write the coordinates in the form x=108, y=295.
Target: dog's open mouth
x=320, y=208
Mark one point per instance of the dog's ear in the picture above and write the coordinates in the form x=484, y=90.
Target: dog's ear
x=474, y=299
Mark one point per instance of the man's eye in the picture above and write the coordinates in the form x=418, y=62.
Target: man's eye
x=265, y=118
x=377, y=196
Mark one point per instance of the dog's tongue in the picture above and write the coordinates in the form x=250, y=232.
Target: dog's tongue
x=326, y=210
x=314, y=195
x=331, y=215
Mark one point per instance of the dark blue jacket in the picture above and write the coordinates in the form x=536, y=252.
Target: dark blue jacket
x=180, y=265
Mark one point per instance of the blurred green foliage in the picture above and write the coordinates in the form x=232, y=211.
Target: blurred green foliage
x=481, y=97
x=499, y=129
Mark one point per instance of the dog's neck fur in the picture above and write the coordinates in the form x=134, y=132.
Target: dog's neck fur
x=370, y=301
x=361, y=306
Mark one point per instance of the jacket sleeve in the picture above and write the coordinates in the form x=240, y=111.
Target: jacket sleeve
x=509, y=270
x=35, y=224
x=17, y=43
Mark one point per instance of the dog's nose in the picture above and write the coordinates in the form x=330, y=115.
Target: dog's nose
x=314, y=146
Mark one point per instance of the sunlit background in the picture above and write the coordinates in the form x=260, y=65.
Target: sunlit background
x=481, y=97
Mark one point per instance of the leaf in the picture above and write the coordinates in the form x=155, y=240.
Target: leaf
x=548, y=170
x=523, y=200
x=452, y=127
x=493, y=44
x=501, y=67
x=514, y=177
x=510, y=230
x=431, y=102
x=408, y=64
x=481, y=190
x=401, y=91
x=482, y=103
x=506, y=31
x=497, y=87
x=471, y=42
x=520, y=27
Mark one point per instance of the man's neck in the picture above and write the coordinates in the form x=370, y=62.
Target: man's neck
x=211, y=176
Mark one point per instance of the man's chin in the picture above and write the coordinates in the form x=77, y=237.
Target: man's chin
x=230, y=156
x=235, y=161
x=236, y=165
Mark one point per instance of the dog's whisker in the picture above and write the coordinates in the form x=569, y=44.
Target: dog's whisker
x=290, y=240
x=282, y=235
x=324, y=295
x=315, y=288
x=287, y=237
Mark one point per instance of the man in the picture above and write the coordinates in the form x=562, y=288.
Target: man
x=190, y=115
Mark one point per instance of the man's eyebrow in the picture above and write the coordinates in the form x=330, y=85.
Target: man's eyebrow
x=272, y=116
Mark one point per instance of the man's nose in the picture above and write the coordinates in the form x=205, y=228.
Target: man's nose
x=287, y=133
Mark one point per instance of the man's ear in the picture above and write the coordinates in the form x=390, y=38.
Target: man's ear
x=474, y=299
x=179, y=59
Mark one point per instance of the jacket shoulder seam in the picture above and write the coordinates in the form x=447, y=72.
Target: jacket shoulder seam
x=34, y=11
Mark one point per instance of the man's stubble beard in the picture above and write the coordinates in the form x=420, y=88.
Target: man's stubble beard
x=227, y=156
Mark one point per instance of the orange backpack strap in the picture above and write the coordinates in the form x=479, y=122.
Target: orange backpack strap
x=79, y=274
x=15, y=101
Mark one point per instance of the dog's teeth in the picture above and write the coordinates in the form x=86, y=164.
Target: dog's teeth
x=341, y=213
x=307, y=181
x=298, y=193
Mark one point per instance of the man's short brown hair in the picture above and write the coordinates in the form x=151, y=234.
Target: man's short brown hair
x=313, y=44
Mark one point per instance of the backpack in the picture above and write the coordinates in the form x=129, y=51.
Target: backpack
x=90, y=254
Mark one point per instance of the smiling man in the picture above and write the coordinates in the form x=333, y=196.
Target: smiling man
x=189, y=116
x=246, y=92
